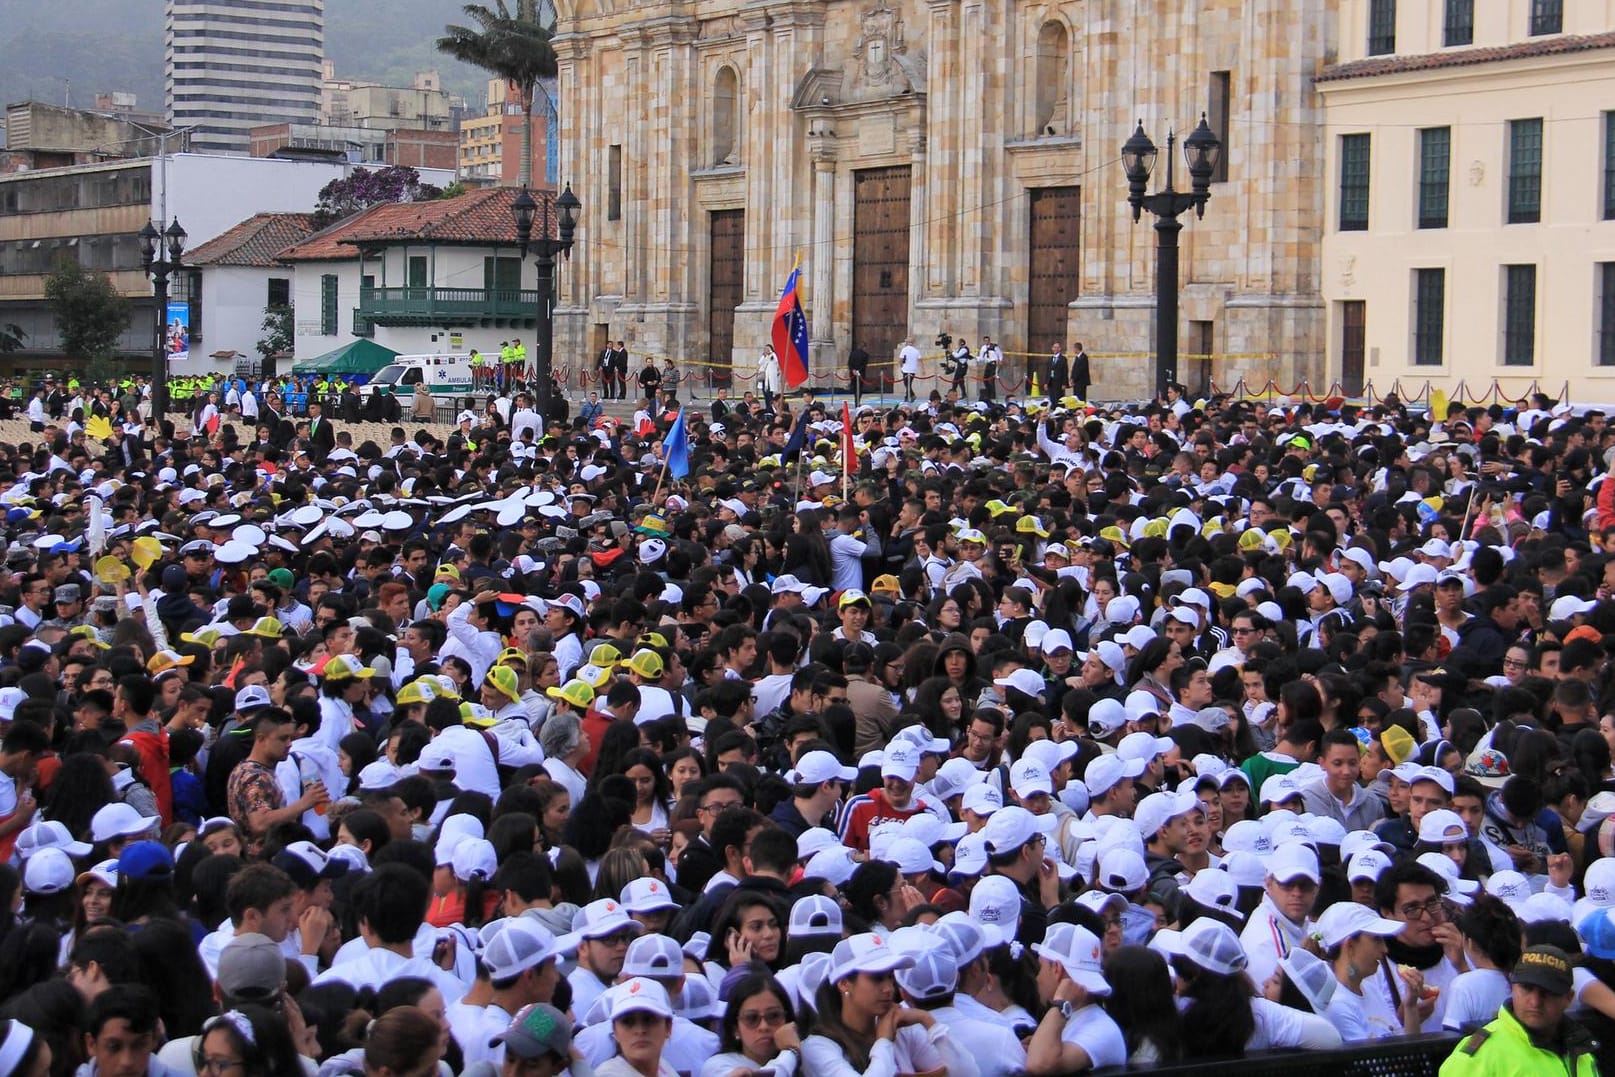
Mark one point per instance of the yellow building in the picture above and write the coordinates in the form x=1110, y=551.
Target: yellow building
x=1470, y=208
x=941, y=165
x=482, y=138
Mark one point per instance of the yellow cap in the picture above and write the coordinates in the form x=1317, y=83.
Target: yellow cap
x=646, y=664
x=1031, y=525
x=419, y=691
x=267, y=628
x=574, y=692
x=344, y=667
x=513, y=654
x=502, y=679
x=605, y=655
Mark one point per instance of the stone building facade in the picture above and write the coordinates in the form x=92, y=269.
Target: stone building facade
x=940, y=166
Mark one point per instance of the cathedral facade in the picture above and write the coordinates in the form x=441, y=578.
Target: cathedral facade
x=939, y=166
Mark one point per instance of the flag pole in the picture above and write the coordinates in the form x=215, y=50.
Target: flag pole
x=660, y=479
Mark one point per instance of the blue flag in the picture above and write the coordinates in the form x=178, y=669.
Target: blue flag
x=798, y=437
x=676, y=448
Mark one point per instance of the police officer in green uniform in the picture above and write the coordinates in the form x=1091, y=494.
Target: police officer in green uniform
x=1531, y=1034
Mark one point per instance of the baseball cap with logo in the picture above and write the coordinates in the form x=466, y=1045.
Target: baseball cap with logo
x=646, y=895
x=996, y=901
x=901, y=761
x=344, y=667
x=1028, y=778
x=1367, y=865
x=866, y=953
x=307, y=864
x=1079, y=952
x=1105, y=718
x=640, y=995
x=537, y=1031
x=1546, y=967
x=597, y=920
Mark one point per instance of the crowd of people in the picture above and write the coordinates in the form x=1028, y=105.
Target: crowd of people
x=1020, y=737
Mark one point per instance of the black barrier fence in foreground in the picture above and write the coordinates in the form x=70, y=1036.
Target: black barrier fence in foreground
x=1412, y=1056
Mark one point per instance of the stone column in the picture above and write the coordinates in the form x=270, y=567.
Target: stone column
x=824, y=234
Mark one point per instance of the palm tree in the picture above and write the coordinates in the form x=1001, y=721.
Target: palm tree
x=515, y=47
x=11, y=337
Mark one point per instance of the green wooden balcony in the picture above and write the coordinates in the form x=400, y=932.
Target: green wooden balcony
x=435, y=306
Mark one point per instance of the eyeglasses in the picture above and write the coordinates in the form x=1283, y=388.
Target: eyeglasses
x=1435, y=909
x=211, y=1066
x=640, y=1019
x=718, y=808
x=755, y=1019
x=621, y=938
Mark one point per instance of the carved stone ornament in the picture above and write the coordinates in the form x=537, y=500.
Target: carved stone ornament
x=881, y=61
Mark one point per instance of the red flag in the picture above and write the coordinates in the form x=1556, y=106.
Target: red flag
x=790, y=335
x=849, y=451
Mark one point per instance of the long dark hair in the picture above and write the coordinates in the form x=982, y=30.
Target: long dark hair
x=1219, y=1008
x=828, y=1022
x=1141, y=1002
x=174, y=971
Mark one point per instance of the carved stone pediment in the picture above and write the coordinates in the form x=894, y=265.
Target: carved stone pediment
x=821, y=87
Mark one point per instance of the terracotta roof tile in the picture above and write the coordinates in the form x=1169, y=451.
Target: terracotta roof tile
x=255, y=241
x=1398, y=65
x=476, y=217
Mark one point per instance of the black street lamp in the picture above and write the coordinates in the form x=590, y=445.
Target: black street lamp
x=1200, y=151
x=526, y=209
x=159, y=261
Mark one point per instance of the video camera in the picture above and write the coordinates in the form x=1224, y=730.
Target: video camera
x=944, y=341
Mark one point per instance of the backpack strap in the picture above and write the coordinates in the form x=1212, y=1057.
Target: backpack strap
x=493, y=744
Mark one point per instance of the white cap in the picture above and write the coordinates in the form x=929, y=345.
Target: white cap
x=1079, y=952
x=1029, y=778
x=901, y=760
x=596, y=920
x=645, y=895
x=1056, y=639
x=1293, y=861
x=1344, y=919
x=1121, y=870
x=640, y=995
x=1106, y=770
x=1442, y=827
x=1215, y=889
x=120, y=820
x=817, y=767
x=1509, y=886
x=815, y=914
x=1144, y=746
x=865, y=953
x=835, y=865
x=653, y=955
x=523, y=943
x=1369, y=864
x=1012, y=827
x=1210, y=944
x=996, y=902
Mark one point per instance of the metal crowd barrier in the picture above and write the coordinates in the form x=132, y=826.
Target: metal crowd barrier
x=1403, y=1056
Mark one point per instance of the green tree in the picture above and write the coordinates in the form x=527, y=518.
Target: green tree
x=279, y=337
x=515, y=47
x=11, y=337
x=90, y=314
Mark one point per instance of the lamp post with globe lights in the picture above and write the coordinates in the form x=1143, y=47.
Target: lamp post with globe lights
x=526, y=210
x=1201, y=151
x=160, y=254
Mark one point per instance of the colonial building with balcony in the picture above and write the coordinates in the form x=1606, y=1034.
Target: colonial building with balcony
x=416, y=277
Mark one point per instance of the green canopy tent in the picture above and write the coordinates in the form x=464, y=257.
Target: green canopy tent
x=357, y=357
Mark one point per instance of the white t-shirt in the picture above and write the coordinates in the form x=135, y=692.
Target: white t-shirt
x=1345, y=1012
x=1280, y=1026
x=1474, y=998
x=1092, y=1029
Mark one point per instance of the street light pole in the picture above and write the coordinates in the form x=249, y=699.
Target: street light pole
x=159, y=260
x=525, y=209
x=1201, y=151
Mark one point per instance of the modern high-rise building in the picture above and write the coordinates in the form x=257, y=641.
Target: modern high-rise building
x=232, y=65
